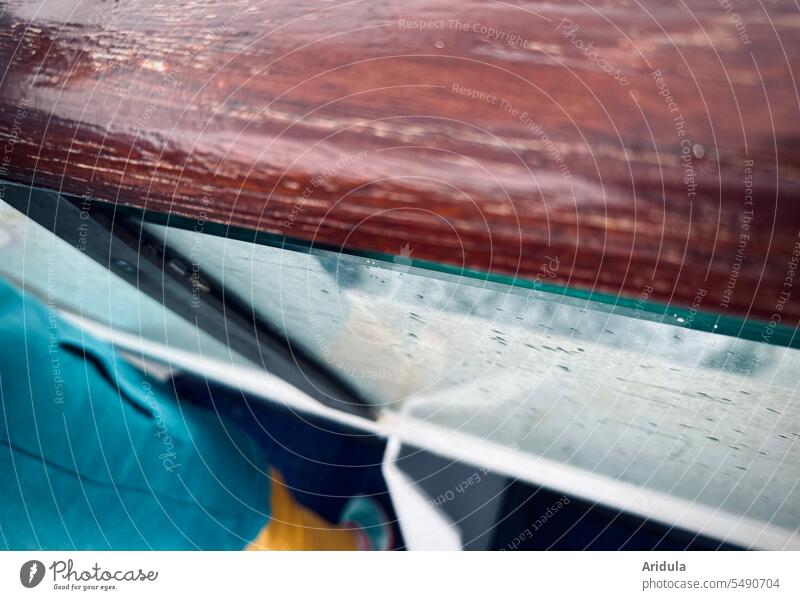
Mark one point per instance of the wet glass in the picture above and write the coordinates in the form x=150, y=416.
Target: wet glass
x=659, y=400
x=630, y=395
x=65, y=279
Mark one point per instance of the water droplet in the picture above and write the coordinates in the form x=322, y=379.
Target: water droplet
x=121, y=265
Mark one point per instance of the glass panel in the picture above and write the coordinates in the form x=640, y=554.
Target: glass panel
x=59, y=274
x=707, y=417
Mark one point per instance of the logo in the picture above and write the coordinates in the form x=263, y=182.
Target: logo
x=31, y=573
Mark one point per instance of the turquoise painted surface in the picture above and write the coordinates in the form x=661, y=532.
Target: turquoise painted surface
x=94, y=454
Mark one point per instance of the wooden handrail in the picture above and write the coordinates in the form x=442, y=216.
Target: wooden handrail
x=649, y=149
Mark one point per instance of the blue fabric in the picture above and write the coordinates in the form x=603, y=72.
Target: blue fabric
x=96, y=455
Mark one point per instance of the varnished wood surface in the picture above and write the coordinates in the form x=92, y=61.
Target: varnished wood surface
x=349, y=123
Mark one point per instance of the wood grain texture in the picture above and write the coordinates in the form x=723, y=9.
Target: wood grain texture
x=493, y=135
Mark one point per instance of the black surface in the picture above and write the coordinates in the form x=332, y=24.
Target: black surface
x=580, y=525
x=323, y=463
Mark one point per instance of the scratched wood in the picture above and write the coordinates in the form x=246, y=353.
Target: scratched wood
x=613, y=137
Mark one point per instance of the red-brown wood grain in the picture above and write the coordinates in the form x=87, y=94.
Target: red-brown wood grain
x=354, y=124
